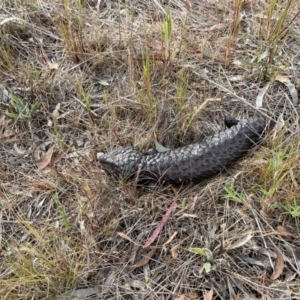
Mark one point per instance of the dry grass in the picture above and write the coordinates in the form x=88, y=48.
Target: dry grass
x=125, y=74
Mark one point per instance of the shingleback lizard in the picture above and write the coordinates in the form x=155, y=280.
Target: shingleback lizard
x=190, y=163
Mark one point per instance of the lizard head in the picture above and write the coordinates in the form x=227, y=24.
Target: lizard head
x=122, y=162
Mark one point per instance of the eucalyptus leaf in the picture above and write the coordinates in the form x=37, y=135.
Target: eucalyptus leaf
x=160, y=148
x=103, y=82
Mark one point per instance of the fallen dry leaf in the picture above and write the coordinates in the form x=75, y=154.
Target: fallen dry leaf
x=209, y=295
x=7, y=134
x=188, y=216
x=143, y=261
x=58, y=157
x=4, y=125
x=279, y=123
x=55, y=113
x=217, y=26
x=292, y=89
x=241, y=242
x=160, y=225
x=137, y=284
x=170, y=239
x=174, y=251
x=279, y=264
x=188, y=4
x=52, y=65
x=156, y=45
x=46, y=160
x=260, y=96
x=126, y=237
x=19, y=151
x=188, y=296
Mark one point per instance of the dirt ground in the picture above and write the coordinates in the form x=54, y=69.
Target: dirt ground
x=82, y=77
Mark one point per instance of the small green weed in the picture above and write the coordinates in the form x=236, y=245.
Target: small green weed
x=233, y=195
x=20, y=110
x=277, y=183
x=207, y=254
x=293, y=208
x=277, y=173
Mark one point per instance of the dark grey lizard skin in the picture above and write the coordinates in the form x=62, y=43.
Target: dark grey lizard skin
x=191, y=163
